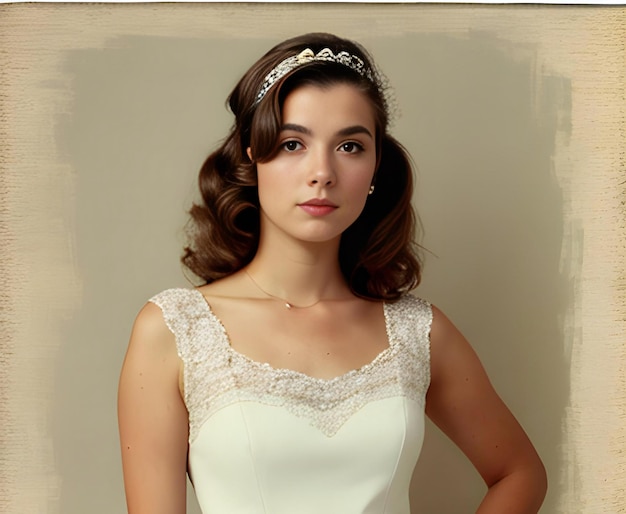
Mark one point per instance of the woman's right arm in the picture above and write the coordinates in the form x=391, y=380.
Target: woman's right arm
x=153, y=420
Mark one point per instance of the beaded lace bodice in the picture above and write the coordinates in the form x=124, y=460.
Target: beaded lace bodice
x=216, y=375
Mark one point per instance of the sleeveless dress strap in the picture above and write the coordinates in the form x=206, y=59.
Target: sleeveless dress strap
x=181, y=309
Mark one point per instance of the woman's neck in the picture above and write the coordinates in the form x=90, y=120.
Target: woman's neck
x=300, y=273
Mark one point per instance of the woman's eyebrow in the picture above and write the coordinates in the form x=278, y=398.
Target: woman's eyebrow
x=296, y=128
x=348, y=131
x=355, y=129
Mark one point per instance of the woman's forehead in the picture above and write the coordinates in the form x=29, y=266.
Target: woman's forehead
x=339, y=104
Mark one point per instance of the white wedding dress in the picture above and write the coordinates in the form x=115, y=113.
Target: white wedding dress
x=277, y=441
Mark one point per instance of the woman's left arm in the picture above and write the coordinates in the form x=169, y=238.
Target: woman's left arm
x=463, y=404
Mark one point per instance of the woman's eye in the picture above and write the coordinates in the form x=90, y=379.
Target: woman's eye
x=351, y=147
x=291, y=146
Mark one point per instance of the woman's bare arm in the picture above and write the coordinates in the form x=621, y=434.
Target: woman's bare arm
x=153, y=419
x=464, y=405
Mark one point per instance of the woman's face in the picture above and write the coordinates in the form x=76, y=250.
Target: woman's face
x=317, y=184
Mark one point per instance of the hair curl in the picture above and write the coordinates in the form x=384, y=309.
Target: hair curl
x=378, y=255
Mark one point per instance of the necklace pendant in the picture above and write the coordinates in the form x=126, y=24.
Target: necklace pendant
x=288, y=305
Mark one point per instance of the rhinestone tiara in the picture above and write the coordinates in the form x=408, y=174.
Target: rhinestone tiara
x=307, y=56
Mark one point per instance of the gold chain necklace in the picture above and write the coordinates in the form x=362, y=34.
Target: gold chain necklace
x=288, y=305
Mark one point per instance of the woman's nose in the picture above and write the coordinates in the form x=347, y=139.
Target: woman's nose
x=322, y=170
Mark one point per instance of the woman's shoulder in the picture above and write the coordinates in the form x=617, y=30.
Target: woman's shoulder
x=153, y=328
x=411, y=304
x=440, y=325
x=163, y=312
x=173, y=295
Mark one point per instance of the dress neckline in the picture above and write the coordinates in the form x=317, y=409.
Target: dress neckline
x=225, y=342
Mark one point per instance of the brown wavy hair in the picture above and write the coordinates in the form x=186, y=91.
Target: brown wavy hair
x=378, y=254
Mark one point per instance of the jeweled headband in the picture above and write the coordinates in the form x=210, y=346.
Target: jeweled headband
x=306, y=56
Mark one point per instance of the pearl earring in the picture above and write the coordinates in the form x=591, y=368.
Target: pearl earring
x=371, y=191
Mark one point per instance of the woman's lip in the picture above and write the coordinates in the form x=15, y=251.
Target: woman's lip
x=317, y=209
x=318, y=202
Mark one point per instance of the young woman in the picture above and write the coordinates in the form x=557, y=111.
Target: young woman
x=297, y=378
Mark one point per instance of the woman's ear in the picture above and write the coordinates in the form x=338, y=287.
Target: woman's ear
x=249, y=152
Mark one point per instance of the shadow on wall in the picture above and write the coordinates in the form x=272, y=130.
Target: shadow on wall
x=481, y=126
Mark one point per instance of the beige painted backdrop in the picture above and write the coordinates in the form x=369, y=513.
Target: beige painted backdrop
x=515, y=118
